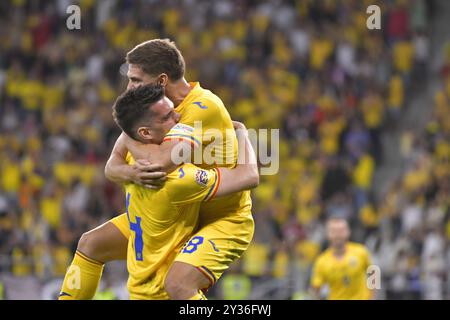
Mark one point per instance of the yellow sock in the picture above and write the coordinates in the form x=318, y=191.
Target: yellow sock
x=198, y=296
x=82, y=278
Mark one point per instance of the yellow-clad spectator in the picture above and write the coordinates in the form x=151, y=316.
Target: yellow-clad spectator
x=373, y=111
x=51, y=208
x=363, y=172
x=308, y=251
x=321, y=50
x=236, y=286
x=61, y=258
x=396, y=93
x=21, y=263
x=369, y=216
x=10, y=175
x=255, y=259
x=403, y=56
x=280, y=267
x=41, y=259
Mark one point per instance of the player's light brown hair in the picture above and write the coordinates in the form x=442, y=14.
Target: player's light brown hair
x=158, y=56
x=338, y=218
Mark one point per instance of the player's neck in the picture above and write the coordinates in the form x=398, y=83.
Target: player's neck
x=177, y=91
x=339, y=251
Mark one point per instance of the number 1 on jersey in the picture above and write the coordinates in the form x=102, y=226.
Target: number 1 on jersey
x=136, y=227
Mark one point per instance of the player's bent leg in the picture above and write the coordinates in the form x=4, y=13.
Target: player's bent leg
x=207, y=255
x=183, y=282
x=105, y=243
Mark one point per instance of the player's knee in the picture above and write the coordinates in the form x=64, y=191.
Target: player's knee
x=89, y=246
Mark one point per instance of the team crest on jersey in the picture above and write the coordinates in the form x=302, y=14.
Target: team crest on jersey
x=201, y=177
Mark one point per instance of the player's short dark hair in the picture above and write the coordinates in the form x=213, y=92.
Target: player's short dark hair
x=133, y=107
x=158, y=56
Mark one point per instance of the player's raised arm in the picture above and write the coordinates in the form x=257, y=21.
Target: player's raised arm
x=160, y=154
x=245, y=175
x=116, y=168
x=193, y=184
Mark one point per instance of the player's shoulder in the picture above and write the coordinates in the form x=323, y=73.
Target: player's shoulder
x=178, y=180
x=208, y=99
x=323, y=257
x=357, y=247
x=178, y=174
x=183, y=132
x=207, y=107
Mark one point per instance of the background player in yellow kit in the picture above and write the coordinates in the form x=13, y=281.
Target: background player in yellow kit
x=227, y=222
x=343, y=266
x=162, y=220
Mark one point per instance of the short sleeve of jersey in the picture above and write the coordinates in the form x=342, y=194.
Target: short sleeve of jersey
x=190, y=183
x=184, y=132
x=317, y=277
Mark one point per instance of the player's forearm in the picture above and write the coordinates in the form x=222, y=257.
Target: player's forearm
x=247, y=165
x=118, y=171
x=245, y=176
x=156, y=154
x=164, y=157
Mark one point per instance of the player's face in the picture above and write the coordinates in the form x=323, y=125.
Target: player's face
x=137, y=77
x=164, y=118
x=338, y=232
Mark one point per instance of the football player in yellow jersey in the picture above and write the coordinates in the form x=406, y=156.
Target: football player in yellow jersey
x=343, y=266
x=226, y=224
x=162, y=220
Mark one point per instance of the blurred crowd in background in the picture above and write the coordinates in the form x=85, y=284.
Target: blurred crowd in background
x=311, y=68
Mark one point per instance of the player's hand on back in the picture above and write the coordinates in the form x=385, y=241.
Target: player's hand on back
x=238, y=125
x=241, y=130
x=148, y=175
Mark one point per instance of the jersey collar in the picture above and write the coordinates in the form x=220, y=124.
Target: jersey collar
x=192, y=95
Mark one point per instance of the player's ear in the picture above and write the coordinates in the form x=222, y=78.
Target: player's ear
x=163, y=79
x=145, y=133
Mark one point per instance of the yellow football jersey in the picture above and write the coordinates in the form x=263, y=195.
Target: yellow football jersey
x=204, y=106
x=160, y=223
x=204, y=111
x=227, y=223
x=346, y=277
